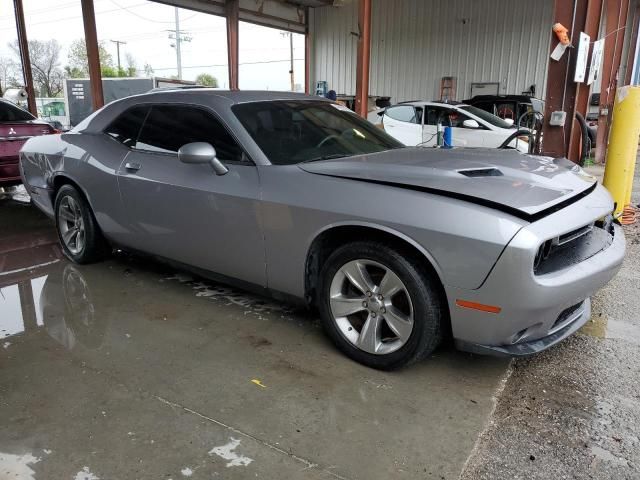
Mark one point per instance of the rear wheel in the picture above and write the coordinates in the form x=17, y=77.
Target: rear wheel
x=380, y=307
x=80, y=236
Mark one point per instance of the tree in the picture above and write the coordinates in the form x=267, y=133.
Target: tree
x=131, y=69
x=148, y=70
x=78, y=66
x=207, y=80
x=9, y=74
x=45, y=66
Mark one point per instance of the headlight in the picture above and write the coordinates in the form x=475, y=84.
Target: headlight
x=543, y=253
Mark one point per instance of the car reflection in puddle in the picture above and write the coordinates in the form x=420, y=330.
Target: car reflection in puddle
x=60, y=301
x=68, y=309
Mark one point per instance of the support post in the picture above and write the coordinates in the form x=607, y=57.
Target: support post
x=581, y=104
x=621, y=154
x=307, y=54
x=93, y=55
x=23, y=45
x=616, y=18
x=232, y=8
x=561, y=89
x=364, y=56
x=27, y=305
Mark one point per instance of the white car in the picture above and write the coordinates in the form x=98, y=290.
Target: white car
x=415, y=124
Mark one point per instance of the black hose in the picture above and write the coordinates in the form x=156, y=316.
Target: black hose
x=585, y=138
x=518, y=133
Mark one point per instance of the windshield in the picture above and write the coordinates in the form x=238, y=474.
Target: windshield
x=487, y=117
x=294, y=131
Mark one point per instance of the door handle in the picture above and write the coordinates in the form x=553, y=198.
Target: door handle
x=132, y=166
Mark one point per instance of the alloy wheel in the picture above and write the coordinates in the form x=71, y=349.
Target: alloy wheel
x=371, y=306
x=71, y=225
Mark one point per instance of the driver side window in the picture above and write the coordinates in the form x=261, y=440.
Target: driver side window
x=169, y=127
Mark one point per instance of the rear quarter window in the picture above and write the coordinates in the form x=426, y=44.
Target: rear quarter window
x=13, y=113
x=126, y=128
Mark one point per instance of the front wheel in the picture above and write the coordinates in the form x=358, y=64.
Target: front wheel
x=78, y=231
x=380, y=307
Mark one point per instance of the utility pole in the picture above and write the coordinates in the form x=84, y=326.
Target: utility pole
x=178, y=40
x=291, y=75
x=293, y=83
x=179, y=37
x=118, y=43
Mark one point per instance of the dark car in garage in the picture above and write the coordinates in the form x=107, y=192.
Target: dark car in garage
x=16, y=127
x=510, y=107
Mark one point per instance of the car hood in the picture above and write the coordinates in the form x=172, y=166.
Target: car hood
x=526, y=186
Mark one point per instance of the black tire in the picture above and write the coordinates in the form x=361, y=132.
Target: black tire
x=422, y=286
x=95, y=247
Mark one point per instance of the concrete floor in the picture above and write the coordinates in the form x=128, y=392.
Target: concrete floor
x=127, y=369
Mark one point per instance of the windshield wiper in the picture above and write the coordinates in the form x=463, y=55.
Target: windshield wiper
x=329, y=156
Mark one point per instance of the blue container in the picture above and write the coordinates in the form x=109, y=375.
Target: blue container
x=447, y=138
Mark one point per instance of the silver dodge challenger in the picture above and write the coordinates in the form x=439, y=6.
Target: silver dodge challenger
x=299, y=198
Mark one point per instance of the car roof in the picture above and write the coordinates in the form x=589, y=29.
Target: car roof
x=234, y=96
x=422, y=103
x=515, y=98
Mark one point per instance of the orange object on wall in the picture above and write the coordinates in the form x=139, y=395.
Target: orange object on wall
x=562, y=33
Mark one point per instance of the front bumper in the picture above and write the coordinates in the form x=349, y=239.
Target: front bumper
x=525, y=348
x=532, y=306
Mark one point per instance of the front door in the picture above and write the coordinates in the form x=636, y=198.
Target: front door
x=186, y=212
x=450, y=117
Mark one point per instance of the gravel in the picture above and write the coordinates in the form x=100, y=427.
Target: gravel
x=574, y=411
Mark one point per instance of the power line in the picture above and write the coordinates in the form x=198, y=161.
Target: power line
x=226, y=64
x=146, y=18
x=71, y=18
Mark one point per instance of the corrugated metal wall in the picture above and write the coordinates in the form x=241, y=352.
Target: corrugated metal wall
x=417, y=42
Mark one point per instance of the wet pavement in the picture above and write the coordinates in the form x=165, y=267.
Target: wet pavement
x=129, y=369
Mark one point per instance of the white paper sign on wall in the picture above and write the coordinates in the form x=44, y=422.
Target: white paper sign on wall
x=582, y=57
x=596, y=61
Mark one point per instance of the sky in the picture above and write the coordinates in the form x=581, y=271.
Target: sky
x=143, y=25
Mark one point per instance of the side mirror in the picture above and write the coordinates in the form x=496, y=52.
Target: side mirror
x=201, y=152
x=470, y=124
x=508, y=121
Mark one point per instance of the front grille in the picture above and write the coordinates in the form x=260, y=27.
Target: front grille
x=572, y=248
x=565, y=315
x=574, y=235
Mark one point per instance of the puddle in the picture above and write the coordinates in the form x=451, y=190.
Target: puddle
x=596, y=327
x=603, y=327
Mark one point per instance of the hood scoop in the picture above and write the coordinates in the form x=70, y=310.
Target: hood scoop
x=481, y=172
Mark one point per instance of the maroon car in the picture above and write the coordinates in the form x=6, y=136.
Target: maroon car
x=16, y=127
